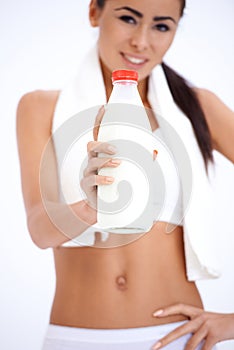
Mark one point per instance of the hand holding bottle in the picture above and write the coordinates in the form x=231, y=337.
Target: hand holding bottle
x=91, y=179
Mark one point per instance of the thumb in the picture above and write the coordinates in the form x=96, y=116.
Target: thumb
x=97, y=122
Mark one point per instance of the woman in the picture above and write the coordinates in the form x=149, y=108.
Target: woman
x=105, y=298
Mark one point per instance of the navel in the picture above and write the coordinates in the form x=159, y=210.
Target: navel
x=121, y=282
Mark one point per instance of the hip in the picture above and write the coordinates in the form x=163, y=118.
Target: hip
x=140, y=338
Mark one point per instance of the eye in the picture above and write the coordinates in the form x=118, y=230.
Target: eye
x=128, y=19
x=162, y=27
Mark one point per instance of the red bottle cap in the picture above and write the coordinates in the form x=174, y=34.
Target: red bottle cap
x=123, y=74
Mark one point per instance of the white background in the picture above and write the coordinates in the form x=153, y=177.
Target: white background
x=41, y=44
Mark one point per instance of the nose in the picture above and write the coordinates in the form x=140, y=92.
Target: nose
x=140, y=38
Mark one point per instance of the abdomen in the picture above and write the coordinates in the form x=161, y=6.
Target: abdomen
x=121, y=287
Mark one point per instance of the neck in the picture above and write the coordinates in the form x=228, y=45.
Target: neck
x=143, y=91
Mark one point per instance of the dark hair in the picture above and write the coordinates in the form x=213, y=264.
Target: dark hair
x=186, y=99
x=100, y=3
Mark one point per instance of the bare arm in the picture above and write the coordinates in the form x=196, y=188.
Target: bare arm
x=220, y=121
x=34, y=120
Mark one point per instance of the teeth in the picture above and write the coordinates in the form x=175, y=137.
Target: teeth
x=134, y=60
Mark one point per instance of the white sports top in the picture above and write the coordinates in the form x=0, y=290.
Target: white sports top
x=171, y=208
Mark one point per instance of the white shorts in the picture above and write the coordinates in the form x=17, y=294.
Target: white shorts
x=141, y=338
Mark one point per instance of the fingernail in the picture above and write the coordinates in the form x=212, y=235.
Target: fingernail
x=109, y=179
x=157, y=346
x=158, y=313
x=115, y=161
x=112, y=149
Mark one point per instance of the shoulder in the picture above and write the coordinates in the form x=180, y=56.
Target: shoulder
x=211, y=105
x=214, y=108
x=220, y=120
x=208, y=100
x=38, y=104
x=38, y=96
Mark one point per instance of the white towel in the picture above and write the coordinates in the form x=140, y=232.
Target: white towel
x=87, y=90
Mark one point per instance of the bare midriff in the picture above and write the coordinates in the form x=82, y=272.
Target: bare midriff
x=120, y=287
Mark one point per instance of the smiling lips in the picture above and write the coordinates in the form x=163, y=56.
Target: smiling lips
x=134, y=60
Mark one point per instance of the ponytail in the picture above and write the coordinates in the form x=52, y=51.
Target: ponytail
x=186, y=99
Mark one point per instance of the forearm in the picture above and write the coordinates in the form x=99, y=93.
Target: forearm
x=55, y=223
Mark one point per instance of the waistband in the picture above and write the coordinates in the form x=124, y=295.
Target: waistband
x=110, y=335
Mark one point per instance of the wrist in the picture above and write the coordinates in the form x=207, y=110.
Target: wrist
x=85, y=212
x=89, y=213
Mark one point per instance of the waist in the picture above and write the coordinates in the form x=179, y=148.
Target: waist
x=121, y=287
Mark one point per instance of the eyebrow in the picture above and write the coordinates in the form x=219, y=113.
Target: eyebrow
x=140, y=15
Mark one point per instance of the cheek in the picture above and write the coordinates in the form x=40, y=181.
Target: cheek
x=161, y=45
x=107, y=39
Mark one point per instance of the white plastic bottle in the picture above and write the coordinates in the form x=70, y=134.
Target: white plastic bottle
x=125, y=206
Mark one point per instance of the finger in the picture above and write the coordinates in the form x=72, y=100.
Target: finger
x=179, y=309
x=92, y=145
x=95, y=147
x=199, y=336
x=209, y=344
x=97, y=122
x=187, y=328
x=95, y=180
x=98, y=163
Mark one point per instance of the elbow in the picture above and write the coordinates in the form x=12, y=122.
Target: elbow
x=43, y=231
x=43, y=234
x=36, y=233
x=37, y=238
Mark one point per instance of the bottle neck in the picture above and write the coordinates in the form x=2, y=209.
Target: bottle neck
x=140, y=86
x=125, y=91
x=125, y=82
